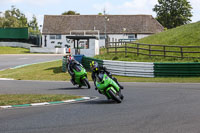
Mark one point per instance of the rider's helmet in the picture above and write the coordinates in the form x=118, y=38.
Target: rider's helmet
x=94, y=66
x=70, y=58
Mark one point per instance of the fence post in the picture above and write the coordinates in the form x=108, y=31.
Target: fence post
x=149, y=50
x=115, y=48
x=107, y=47
x=164, y=51
x=125, y=49
x=137, y=49
x=181, y=52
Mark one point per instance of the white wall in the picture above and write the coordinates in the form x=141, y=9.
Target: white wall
x=117, y=37
x=112, y=37
x=48, y=50
x=15, y=44
x=52, y=45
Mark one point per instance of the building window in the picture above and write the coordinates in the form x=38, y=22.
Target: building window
x=134, y=36
x=52, y=37
x=131, y=36
x=57, y=37
x=102, y=37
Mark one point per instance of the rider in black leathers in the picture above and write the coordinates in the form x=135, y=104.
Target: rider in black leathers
x=71, y=62
x=96, y=69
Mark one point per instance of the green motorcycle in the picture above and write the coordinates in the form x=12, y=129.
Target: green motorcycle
x=81, y=76
x=108, y=87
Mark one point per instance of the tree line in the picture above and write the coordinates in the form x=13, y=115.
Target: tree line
x=14, y=18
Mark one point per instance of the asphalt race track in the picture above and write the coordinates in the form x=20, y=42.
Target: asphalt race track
x=12, y=60
x=147, y=108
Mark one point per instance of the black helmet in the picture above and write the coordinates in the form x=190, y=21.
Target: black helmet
x=94, y=66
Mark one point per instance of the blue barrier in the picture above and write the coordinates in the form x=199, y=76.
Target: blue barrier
x=78, y=58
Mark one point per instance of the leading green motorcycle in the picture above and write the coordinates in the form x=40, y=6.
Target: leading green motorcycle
x=108, y=87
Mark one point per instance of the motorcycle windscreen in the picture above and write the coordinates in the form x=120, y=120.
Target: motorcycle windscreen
x=99, y=77
x=77, y=68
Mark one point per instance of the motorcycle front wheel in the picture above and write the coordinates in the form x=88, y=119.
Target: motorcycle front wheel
x=115, y=96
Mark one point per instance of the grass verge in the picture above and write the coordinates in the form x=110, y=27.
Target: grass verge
x=53, y=71
x=18, y=99
x=141, y=58
x=44, y=71
x=14, y=50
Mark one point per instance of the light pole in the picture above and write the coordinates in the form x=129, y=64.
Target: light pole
x=124, y=30
x=40, y=37
x=106, y=19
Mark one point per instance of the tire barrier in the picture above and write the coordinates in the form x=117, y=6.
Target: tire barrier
x=123, y=68
x=146, y=69
x=176, y=69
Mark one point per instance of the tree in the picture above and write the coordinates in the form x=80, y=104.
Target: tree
x=173, y=13
x=33, y=25
x=14, y=18
x=70, y=12
x=100, y=13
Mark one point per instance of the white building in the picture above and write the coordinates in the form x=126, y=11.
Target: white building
x=113, y=27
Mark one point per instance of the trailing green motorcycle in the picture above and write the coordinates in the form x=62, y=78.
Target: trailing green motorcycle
x=80, y=76
x=108, y=87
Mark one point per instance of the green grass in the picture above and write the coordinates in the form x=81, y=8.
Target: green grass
x=14, y=50
x=186, y=35
x=53, y=71
x=141, y=58
x=18, y=99
x=44, y=71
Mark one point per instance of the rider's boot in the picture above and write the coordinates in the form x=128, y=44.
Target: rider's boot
x=121, y=87
x=72, y=81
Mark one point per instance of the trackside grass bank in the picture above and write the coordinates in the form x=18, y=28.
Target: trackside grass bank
x=14, y=50
x=53, y=71
x=186, y=35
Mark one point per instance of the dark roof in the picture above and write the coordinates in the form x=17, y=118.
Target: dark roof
x=63, y=24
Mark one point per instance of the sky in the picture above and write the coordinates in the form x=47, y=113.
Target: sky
x=39, y=8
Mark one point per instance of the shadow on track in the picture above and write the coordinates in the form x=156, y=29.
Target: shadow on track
x=70, y=88
x=98, y=101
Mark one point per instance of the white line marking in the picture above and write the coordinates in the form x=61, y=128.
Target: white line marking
x=68, y=101
x=5, y=107
x=6, y=79
x=39, y=104
x=86, y=98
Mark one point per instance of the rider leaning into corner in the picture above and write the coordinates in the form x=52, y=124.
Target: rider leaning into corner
x=96, y=69
x=71, y=63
